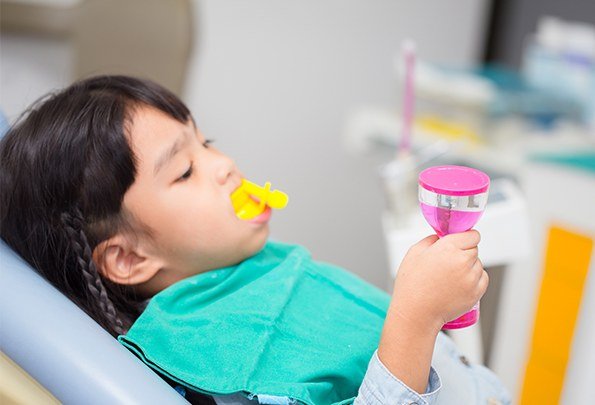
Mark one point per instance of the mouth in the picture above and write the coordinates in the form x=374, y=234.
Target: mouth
x=262, y=218
x=253, y=203
x=248, y=208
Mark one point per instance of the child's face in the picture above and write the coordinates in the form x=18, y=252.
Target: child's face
x=182, y=193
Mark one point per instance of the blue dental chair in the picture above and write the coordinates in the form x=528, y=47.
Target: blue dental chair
x=62, y=348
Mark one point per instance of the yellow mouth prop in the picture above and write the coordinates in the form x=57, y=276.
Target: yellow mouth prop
x=245, y=204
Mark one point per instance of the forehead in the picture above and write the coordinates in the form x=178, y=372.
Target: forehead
x=151, y=130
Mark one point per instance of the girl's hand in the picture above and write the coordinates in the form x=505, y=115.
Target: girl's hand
x=439, y=279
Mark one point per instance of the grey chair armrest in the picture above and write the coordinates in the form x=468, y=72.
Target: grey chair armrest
x=64, y=349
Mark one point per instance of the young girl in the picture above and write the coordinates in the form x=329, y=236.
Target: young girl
x=114, y=195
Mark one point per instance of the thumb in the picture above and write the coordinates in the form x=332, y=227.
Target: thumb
x=427, y=241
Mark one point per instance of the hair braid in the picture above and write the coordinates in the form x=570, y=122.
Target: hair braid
x=72, y=150
x=74, y=227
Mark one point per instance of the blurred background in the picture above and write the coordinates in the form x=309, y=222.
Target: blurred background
x=310, y=95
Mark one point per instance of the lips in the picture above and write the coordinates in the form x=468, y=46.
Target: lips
x=262, y=218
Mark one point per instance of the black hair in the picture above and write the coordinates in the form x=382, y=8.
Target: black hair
x=64, y=169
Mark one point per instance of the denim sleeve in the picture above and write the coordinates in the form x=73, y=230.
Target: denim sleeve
x=380, y=387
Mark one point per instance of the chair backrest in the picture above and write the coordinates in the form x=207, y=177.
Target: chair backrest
x=64, y=349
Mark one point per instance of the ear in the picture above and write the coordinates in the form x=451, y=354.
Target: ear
x=123, y=262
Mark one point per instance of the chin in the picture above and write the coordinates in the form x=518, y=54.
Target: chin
x=258, y=242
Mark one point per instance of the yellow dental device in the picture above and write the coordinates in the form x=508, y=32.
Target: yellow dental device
x=244, y=199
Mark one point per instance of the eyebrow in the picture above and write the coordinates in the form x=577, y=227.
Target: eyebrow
x=170, y=152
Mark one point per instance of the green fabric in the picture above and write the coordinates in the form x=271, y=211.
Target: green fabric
x=277, y=324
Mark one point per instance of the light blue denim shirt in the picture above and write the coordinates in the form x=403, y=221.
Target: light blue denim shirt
x=453, y=380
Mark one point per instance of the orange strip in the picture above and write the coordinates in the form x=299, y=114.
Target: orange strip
x=566, y=266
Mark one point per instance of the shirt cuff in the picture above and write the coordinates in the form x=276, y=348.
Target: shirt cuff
x=381, y=387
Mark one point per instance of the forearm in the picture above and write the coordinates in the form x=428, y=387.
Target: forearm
x=406, y=348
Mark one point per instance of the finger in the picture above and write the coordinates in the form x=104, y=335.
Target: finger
x=426, y=242
x=472, y=253
x=465, y=240
x=478, y=265
x=484, y=281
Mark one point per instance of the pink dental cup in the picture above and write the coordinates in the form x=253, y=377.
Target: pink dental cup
x=452, y=199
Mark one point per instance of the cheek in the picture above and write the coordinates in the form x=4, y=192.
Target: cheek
x=208, y=221
x=172, y=218
x=223, y=224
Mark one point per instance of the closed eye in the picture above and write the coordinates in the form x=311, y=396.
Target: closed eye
x=186, y=174
x=190, y=170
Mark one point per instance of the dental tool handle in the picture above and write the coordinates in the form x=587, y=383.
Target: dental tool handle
x=408, y=96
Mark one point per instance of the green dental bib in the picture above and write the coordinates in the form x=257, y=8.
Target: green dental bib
x=277, y=324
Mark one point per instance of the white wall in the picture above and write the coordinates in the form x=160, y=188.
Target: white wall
x=273, y=82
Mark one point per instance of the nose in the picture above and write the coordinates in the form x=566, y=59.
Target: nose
x=225, y=170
